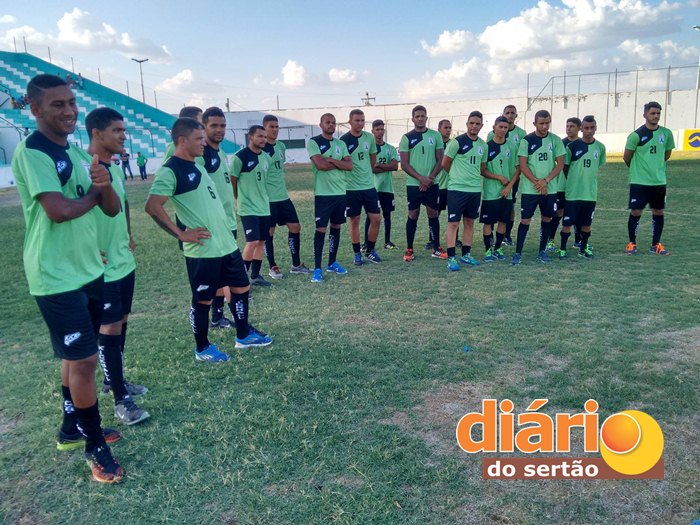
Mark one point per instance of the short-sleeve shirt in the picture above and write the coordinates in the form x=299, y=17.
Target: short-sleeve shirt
x=384, y=181
x=421, y=147
x=170, y=151
x=467, y=157
x=251, y=171
x=58, y=257
x=217, y=167
x=330, y=182
x=584, y=161
x=140, y=160
x=360, y=148
x=513, y=136
x=541, y=153
x=276, y=185
x=113, y=232
x=502, y=160
x=648, y=166
x=197, y=205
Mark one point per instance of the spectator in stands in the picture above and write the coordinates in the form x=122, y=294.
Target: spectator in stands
x=13, y=102
x=69, y=80
x=125, y=164
x=80, y=82
x=141, y=161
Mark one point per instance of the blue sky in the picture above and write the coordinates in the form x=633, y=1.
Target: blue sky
x=312, y=53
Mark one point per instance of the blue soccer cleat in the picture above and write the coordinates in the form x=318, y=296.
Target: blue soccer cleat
x=336, y=268
x=253, y=339
x=211, y=354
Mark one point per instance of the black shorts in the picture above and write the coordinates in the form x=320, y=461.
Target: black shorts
x=386, y=201
x=74, y=320
x=329, y=208
x=496, y=210
x=641, y=195
x=529, y=203
x=578, y=213
x=256, y=227
x=442, y=199
x=515, y=191
x=283, y=212
x=358, y=199
x=561, y=200
x=117, y=297
x=427, y=198
x=462, y=204
x=209, y=274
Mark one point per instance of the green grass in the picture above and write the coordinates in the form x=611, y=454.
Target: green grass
x=349, y=417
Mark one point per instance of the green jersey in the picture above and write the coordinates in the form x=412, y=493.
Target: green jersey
x=170, y=151
x=360, y=148
x=502, y=159
x=441, y=178
x=251, y=171
x=584, y=162
x=197, y=205
x=384, y=181
x=467, y=157
x=648, y=166
x=542, y=154
x=513, y=136
x=331, y=182
x=217, y=167
x=58, y=257
x=113, y=232
x=421, y=147
x=141, y=161
x=276, y=186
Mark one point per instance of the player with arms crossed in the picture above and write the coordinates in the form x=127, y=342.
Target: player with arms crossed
x=387, y=163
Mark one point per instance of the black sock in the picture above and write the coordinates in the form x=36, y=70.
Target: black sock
x=370, y=246
x=294, y=241
x=466, y=250
x=499, y=240
x=522, y=234
x=553, y=225
x=509, y=229
x=89, y=425
x=564, y=239
x=451, y=251
x=123, y=345
x=434, y=227
x=632, y=227
x=387, y=228
x=333, y=244
x=657, y=227
x=69, y=417
x=356, y=247
x=270, y=251
x=318, y=248
x=247, y=265
x=577, y=235
x=584, y=240
x=411, y=227
x=367, y=222
x=111, y=361
x=199, y=319
x=217, y=309
x=488, y=239
x=544, y=235
x=239, y=309
x=255, y=266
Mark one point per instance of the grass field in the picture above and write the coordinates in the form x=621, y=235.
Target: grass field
x=350, y=416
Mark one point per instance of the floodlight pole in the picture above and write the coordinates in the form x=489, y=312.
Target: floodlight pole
x=140, y=62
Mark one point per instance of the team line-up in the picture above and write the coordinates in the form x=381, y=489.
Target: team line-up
x=78, y=247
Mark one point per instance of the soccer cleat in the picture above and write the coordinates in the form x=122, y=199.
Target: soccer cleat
x=408, y=256
x=508, y=241
x=562, y=255
x=253, y=339
x=260, y=281
x=631, y=248
x=275, y=272
x=543, y=257
x=390, y=246
x=211, y=354
x=221, y=323
x=452, y=264
x=587, y=254
x=358, y=259
x=302, y=269
x=373, y=257
x=105, y=468
x=659, y=249
x=550, y=247
x=469, y=260
x=458, y=243
x=256, y=331
x=489, y=256
x=498, y=254
x=578, y=245
x=517, y=259
x=363, y=247
x=439, y=253
x=66, y=441
x=336, y=268
x=317, y=277
x=132, y=389
x=128, y=412
x=428, y=245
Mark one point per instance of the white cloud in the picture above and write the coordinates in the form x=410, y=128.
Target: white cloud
x=459, y=76
x=293, y=74
x=342, y=76
x=7, y=19
x=176, y=82
x=449, y=43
